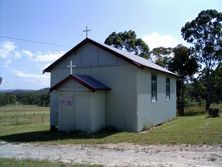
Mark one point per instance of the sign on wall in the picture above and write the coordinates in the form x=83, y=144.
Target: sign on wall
x=66, y=101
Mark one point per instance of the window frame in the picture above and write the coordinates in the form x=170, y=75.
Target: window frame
x=153, y=88
x=168, y=88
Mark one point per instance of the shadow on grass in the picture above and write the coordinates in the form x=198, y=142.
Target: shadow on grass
x=44, y=136
x=193, y=113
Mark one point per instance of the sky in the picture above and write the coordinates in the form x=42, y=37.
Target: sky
x=59, y=26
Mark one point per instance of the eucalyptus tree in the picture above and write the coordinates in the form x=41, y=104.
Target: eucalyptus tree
x=205, y=33
x=184, y=65
x=129, y=42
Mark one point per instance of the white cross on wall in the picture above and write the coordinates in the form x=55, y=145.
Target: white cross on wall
x=70, y=66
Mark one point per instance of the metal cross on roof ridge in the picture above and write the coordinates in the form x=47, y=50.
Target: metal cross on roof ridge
x=86, y=31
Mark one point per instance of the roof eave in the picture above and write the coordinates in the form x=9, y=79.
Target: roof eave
x=170, y=73
x=49, y=68
x=72, y=77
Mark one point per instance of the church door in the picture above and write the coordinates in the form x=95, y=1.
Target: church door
x=66, y=119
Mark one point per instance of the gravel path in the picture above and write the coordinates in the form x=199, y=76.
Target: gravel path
x=123, y=154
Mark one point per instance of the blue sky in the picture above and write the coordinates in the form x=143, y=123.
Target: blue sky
x=157, y=22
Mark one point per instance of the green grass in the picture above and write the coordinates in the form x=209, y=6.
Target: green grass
x=22, y=109
x=194, y=128
x=4, y=162
x=23, y=118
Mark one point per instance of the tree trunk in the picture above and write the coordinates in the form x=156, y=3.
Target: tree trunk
x=209, y=88
x=180, y=97
x=208, y=102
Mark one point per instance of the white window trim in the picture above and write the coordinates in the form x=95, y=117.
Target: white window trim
x=167, y=95
x=153, y=98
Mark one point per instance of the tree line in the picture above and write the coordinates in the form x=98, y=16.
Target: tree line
x=25, y=98
x=203, y=58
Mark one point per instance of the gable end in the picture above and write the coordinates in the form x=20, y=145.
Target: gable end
x=87, y=40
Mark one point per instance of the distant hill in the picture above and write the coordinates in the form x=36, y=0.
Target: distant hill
x=25, y=96
x=18, y=91
x=41, y=91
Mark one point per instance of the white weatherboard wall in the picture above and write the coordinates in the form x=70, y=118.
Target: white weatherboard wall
x=153, y=113
x=54, y=108
x=128, y=104
x=112, y=71
x=66, y=114
x=80, y=109
x=90, y=111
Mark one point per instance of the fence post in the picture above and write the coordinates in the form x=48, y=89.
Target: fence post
x=17, y=119
x=42, y=118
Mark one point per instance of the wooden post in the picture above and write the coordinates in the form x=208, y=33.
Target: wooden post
x=42, y=118
x=17, y=119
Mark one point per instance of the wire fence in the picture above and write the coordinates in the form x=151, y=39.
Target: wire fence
x=17, y=119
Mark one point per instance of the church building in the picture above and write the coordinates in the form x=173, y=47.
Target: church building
x=95, y=86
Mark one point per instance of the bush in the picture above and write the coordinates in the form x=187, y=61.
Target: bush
x=213, y=112
x=7, y=98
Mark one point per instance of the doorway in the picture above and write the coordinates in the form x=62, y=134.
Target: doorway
x=66, y=118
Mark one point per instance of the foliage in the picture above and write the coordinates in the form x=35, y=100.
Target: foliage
x=161, y=56
x=7, y=98
x=39, y=97
x=159, y=51
x=185, y=66
x=197, y=90
x=163, y=61
x=128, y=41
x=35, y=99
x=217, y=80
x=205, y=33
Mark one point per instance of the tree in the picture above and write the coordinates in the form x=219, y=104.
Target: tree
x=162, y=51
x=197, y=91
x=185, y=65
x=7, y=98
x=198, y=88
x=217, y=80
x=205, y=33
x=128, y=41
x=161, y=57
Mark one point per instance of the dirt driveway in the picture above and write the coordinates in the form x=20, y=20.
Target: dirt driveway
x=123, y=154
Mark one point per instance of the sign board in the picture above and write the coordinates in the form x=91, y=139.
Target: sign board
x=66, y=101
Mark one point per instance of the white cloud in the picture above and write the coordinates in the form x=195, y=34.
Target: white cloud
x=6, y=48
x=27, y=53
x=32, y=77
x=8, y=62
x=28, y=75
x=156, y=40
x=48, y=57
x=17, y=54
x=9, y=53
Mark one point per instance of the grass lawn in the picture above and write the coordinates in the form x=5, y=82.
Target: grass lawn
x=30, y=163
x=194, y=128
x=23, y=118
